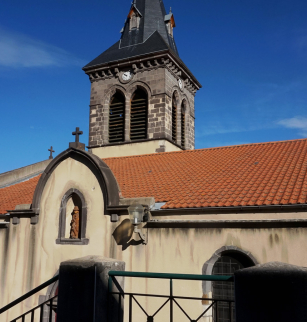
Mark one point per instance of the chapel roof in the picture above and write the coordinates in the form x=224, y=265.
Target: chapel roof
x=272, y=173
x=150, y=37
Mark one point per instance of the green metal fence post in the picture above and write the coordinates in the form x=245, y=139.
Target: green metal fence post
x=171, y=300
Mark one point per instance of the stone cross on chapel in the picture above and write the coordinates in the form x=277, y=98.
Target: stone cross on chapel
x=77, y=144
x=51, y=151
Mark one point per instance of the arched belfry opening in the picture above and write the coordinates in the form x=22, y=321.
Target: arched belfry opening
x=183, y=123
x=117, y=118
x=174, y=118
x=139, y=115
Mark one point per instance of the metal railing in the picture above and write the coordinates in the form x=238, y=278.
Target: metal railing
x=50, y=302
x=171, y=298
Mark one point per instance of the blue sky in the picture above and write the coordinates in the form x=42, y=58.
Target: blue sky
x=250, y=57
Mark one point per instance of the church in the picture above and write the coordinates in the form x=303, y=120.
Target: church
x=206, y=211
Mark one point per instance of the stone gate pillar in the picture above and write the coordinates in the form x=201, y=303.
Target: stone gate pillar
x=271, y=292
x=83, y=290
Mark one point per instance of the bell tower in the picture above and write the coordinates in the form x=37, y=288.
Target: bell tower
x=142, y=94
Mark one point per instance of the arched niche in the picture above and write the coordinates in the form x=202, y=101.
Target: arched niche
x=101, y=171
x=72, y=200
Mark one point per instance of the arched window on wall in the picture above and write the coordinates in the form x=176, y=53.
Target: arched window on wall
x=227, y=264
x=73, y=217
x=174, y=118
x=117, y=118
x=139, y=112
x=183, y=124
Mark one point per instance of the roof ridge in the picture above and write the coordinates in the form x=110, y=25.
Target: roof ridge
x=212, y=148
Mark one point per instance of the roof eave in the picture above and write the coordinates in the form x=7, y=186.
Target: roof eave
x=235, y=209
x=186, y=69
x=122, y=61
x=144, y=56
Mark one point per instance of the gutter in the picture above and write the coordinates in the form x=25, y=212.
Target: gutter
x=238, y=209
x=245, y=224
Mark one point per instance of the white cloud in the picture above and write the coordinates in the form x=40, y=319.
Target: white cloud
x=17, y=50
x=299, y=123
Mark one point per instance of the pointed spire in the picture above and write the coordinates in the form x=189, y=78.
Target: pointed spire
x=153, y=18
x=147, y=29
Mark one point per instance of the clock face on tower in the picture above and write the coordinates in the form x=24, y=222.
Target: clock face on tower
x=126, y=76
x=180, y=83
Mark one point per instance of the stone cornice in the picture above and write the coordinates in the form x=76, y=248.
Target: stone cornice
x=161, y=60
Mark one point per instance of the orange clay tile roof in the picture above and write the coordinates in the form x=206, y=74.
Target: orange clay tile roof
x=273, y=173
x=20, y=193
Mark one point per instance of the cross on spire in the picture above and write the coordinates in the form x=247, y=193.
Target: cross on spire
x=77, y=133
x=51, y=151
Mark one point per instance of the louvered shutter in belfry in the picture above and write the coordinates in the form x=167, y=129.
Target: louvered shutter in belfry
x=174, y=120
x=117, y=119
x=138, y=121
x=182, y=126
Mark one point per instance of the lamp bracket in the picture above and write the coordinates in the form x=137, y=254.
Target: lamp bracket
x=141, y=234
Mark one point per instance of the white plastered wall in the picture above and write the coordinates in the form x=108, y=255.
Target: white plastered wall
x=138, y=148
x=29, y=253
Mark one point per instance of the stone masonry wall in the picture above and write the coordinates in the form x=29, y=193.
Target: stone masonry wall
x=181, y=95
x=159, y=84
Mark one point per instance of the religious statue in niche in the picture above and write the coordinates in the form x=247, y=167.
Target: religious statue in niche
x=75, y=226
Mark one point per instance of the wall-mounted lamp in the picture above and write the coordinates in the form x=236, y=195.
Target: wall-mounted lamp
x=136, y=215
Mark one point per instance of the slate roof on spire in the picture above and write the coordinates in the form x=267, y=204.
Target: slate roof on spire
x=151, y=36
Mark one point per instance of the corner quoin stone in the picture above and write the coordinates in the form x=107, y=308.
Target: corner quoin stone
x=83, y=290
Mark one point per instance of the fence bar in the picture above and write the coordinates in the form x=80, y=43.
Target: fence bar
x=37, y=289
x=171, y=300
x=50, y=311
x=32, y=315
x=42, y=312
x=216, y=311
x=173, y=276
x=130, y=308
x=230, y=319
x=119, y=306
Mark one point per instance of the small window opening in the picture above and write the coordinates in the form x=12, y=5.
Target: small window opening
x=139, y=110
x=117, y=119
x=174, y=119
x=134, y=21
x=170, y=28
